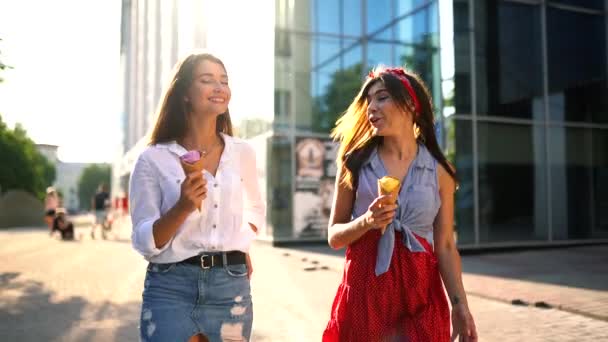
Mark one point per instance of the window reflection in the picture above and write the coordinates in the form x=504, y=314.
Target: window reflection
x=579, y=175
x=509, y=68
x=460, y=154
x=577, y=66
x=512, y=183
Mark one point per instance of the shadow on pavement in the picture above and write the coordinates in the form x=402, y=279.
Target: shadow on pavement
x=581, y=267
x=576, y=266
x=29, y=312
x=317, y=247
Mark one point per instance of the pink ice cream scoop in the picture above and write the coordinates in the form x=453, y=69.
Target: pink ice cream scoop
x=192, y=162
x=191, y=157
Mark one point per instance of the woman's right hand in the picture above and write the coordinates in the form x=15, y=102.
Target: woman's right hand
x=380, y=213
x=193, y=191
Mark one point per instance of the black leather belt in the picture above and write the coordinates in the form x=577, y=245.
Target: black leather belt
x=207, y=261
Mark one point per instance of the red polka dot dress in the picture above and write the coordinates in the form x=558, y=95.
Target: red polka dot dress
x=391, y=289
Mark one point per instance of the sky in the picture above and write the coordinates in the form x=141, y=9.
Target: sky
x=64, y=85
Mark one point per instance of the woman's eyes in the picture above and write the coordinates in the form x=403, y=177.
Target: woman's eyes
x=209, y=81
x=382, y=98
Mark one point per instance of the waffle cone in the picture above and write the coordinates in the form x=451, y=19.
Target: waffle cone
x=389, y=186
x=197, y=166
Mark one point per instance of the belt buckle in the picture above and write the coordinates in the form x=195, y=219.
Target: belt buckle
x=203, y=261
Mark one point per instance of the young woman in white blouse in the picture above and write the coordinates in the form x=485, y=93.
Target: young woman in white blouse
x=197, y=283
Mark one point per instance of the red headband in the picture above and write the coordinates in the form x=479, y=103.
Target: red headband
x=400, y=74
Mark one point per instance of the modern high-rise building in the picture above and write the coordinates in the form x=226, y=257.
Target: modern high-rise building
x=519, y=87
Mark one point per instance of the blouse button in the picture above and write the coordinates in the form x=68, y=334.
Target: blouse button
x=215, y=185
x=215, y=205
x=214, y=226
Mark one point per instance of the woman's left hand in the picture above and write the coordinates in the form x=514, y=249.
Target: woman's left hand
x=249, y=266
x=463, y=325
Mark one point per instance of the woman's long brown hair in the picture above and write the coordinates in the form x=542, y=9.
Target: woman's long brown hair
x=355, y=133
x=172, y=115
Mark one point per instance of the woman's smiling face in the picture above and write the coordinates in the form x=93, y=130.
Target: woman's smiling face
x=209, y=92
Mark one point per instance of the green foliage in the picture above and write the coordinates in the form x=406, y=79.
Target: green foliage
x=89, y=181
x=340, y=92
x=346, y=83
x=23, y=167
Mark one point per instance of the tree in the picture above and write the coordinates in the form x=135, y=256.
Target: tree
x=23, y=167
x=92, y=176
x=340, y=92
x=420, y=58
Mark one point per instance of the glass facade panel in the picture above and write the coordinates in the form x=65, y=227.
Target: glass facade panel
x=323, y=51
x=462, y=58
x=379, y=54
x=379, y=13
x=512, y=183
x=600, y=183
x=591, y=4
x=279, y=178
x=327, y=104
x=579, y=177
x=353, y=54
x=326, y=16
x=384, y=35
x=425, y=61
x=352, y=18
x=419, y=28
x=509, y=71
x=406, y=6
x=577, y=66
x=459, y=147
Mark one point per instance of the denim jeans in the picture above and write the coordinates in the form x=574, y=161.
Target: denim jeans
x=181, y=300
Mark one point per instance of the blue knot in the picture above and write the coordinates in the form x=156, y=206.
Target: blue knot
x=386, y=244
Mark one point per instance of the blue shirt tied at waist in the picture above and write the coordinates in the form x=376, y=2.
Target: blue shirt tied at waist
x=418, y=203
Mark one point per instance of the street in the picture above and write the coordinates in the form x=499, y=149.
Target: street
x=90, y=290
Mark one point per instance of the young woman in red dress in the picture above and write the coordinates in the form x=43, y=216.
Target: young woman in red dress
x=399, y=255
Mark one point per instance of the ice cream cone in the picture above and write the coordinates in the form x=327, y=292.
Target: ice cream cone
x=192, y=162
x=389, y=186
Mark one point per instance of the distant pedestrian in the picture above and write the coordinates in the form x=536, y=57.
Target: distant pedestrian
x=195, y=207
x=51, y=203
x=100, y=204
x=392, y=288
x=62, y=225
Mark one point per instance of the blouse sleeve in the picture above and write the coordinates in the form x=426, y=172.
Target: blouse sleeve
x=145, y=203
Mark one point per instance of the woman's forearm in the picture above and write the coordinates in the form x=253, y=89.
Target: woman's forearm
x=450, y=268
x=343, y=234
x=165, y=227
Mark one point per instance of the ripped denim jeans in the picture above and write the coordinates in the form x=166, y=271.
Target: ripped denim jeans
x=182, y=300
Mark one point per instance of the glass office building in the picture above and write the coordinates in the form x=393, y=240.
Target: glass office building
x=521, y=97
x=519, y=87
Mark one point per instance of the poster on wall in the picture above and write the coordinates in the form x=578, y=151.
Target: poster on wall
x=314, y=185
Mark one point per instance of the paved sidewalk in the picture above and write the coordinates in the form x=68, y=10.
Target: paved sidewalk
x=90, y=290
x=573, y=279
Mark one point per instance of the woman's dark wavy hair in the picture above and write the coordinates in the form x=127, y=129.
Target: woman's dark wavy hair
x=355, y=133
x=172, y=116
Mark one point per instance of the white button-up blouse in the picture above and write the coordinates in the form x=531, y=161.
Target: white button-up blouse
x=233, y=201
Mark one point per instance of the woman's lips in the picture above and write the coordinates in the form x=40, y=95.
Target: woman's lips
x=375, y=121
